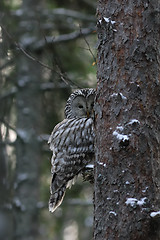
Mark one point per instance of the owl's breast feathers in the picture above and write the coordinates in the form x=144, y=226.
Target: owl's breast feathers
x=73, y=136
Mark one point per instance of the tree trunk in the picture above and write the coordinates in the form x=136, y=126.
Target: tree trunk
x=28, y=107
x=6, y=225
x=127, y=175
x=28, y=153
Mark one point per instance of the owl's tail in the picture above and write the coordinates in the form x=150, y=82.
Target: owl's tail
x=56, y=198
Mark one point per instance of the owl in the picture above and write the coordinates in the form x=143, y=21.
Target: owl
x=72, y=143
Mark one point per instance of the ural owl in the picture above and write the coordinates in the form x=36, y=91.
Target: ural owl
x=72, y=143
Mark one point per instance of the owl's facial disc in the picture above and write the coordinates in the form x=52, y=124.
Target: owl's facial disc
x=82, y=107
x=79, y=107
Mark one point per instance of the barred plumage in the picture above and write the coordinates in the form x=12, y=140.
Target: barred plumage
x=72, y=143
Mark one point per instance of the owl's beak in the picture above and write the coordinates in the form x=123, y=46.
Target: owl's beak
x=88, y=114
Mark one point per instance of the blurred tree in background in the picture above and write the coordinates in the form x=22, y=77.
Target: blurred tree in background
x=47, y=48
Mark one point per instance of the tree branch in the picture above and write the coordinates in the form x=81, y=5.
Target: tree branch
x=60, y=12
x=73, y=14
x=7, y=125
x=50, y=40
x=89, y=49
x=62, y=75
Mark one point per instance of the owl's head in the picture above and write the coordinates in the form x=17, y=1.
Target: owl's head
x=80, y=104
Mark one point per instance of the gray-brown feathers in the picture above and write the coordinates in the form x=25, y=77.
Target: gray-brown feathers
x=72, y=143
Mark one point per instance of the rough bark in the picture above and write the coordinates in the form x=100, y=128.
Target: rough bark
x=127, y=120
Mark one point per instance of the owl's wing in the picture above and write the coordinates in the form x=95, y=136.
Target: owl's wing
x=72, y=143
x=72, y=132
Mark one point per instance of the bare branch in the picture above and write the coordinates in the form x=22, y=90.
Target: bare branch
x=63, y=38
x=62, y=75
x=51, y=14
x=89, y=49
x=73, y=14
x=7, y=125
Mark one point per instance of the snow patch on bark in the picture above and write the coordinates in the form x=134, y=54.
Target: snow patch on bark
x=121, y=137
x=107, y=20
x=112, y=212
x=133, y=121
x=101, y=163
x=116, y=94
x=155, y=214
x=133, y=201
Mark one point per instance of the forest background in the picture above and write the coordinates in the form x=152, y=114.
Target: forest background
x=47, y=49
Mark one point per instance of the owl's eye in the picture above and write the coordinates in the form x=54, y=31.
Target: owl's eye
x=80, y=106
x=92, y=105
